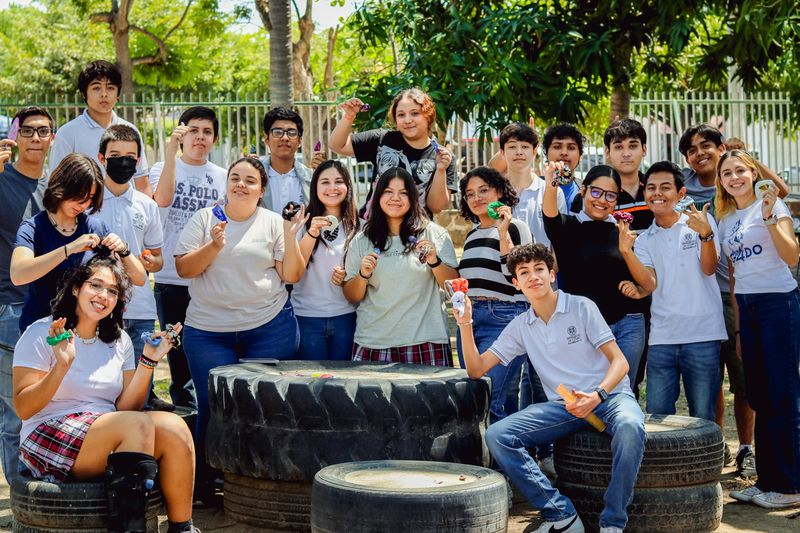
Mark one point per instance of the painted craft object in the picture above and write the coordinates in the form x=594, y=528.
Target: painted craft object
x=623, y=216
x=563, y=176
x=423, y=252
x=457, y=290
x=290, y=210
x=683, y=204
x=492, y=208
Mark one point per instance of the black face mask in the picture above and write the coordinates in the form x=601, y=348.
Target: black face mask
x=121, y=169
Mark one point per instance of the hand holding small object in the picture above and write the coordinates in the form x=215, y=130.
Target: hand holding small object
x=591, y=418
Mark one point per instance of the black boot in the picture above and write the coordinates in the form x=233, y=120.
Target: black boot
x=130, y=476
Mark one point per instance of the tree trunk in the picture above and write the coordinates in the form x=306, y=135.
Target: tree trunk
x=301, y=56
x=120, y=30
x=333, y=34
x=620, y=106
x=280, y=53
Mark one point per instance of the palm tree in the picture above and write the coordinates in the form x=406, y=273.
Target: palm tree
x=276, y=15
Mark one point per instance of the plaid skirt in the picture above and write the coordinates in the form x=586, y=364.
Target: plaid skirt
x=50, y=450
x=426, y=353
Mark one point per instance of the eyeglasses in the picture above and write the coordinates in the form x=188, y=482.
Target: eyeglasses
x=280, y=132
x=28, y=131
x=597, y=192
x=98, y=288
x=482, y=192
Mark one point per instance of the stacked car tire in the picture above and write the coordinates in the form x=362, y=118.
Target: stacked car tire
x=678, y=485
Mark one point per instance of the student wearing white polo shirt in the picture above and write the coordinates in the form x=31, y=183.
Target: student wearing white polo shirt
x=676, y=258
x=99, y=83
x=133, y=216
x=568, y=343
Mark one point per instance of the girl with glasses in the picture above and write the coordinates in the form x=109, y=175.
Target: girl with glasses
x=394, y=269
x=408, y=146
x=589, y=259
x=495, y=301
x=80, y=396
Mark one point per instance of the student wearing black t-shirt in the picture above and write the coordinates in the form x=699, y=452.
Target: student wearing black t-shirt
x=409, y=147
x=589, y=261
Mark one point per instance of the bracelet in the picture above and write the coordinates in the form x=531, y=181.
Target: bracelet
x=66, y=255
x=363, y=276
x=147, y=362
x=464, y=323
x=52, y=341
x=437, y=263
x=124, y=253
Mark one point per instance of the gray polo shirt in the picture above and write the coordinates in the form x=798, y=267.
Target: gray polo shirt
x=564, y=350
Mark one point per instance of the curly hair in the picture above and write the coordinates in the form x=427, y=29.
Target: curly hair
x=65, y=304
x=505, y=191
x=529, y=253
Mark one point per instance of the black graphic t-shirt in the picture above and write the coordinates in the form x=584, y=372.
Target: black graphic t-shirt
x=386, y=149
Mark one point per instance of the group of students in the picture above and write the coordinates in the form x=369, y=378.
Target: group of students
x=225, y=246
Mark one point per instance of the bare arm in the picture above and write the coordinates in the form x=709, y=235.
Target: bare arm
x=154, y=261
x=498, y=162
x=339, y=140
x=142, y=184
x=550, y=199
x=165, y=191
x=478, y=364
x=33, y=389
x=136, y=383
x=617, y=370
x=194, y=263
x=27, y=268
x=782, y=232
x=293, y=266
x=644, y=276
x=355, y=289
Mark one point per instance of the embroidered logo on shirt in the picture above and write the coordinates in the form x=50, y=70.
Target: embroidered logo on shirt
x=572, y=335
x=688, y=242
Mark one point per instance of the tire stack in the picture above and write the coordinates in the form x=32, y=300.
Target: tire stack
x=418, y=496
x=42, y=507
x=273, y=427
x=678, y=485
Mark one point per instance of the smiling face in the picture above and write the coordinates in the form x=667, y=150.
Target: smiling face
x=244, y=185
x=394, y=201
x=660, y=193
x=564, y=149
x=737, y=180
x=101, y=96
x=75, y=206
x=703, y=155
x=479, y=195
x=199, y=140
x=534, y=279
x=626, y=155
x=518, y=155
x=34, y=149
x=410, y=120
x=599, y=208
x=331, y=188
x=97, y=296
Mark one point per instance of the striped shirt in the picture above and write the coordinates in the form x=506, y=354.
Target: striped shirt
x=481, y=264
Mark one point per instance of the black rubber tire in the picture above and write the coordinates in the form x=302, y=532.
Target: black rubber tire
x=282, y=505
x=340, y=502
x=280, y=423
x=669, y=509
x=679, y=451
x=40, y=506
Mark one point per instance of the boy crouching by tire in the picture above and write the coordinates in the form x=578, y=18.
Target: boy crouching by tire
x=568, y=343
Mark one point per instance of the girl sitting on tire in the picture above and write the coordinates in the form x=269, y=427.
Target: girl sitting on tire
x=394, y=269
x=78, y=392
x=495, y=301
x=326, y=319
x=759, y=242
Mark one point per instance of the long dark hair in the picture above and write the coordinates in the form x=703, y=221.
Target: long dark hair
x=65, y=303
x=505, y=191
x=414, y=222
x=316, y=207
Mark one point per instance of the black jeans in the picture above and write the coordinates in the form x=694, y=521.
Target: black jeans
x=171, y=304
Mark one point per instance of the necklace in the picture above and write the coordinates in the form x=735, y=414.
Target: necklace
x=65, y=231
x=90, y=340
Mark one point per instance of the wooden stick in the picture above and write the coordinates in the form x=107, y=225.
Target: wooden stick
x=592, y=418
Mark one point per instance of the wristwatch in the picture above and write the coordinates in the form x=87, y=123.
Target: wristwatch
x=124, y=253
x=602, y=393
x=707, y=238
x=771, y=220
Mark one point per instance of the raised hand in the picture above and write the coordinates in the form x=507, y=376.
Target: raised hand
x=156, y=353
x=64, y=351
x=698, y=220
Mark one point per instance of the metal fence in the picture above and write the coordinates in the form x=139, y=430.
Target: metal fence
x=763, y=121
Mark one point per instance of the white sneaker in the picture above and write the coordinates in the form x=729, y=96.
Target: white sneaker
x=572, y=524
x=610, y=529
x=746, y=495
x=776, y=500
x=548, y=467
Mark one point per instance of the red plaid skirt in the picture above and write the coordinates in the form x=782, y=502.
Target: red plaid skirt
x=426, y=353
x=50, y=450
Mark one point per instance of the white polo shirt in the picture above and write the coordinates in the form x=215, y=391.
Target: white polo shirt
x=529, y=209
x=134, y=217
x=284, y=188
x=82, y=134
x=564, y=350
x=686, y=306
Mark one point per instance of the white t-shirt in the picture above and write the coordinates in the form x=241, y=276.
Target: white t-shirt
x=564, y=350
x=686, y=306
x=240, y=289
x=757, y=267
x=196, y=187
x=285, y=188
x=134, y=217
x=82, y=134
x=91, y=385
x=315, y=295
x=403, y=305
x=529, y=209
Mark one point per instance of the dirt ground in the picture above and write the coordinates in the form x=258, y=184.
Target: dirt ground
x=736, y=517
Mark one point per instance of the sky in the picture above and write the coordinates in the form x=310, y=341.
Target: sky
x=325, y=15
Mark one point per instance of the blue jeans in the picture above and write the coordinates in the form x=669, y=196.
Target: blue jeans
x=10, y=423
x=629, y=332
x=171, y=304
x=205, y=350
x=770, y=339
x=542, y=423
x=698, y=363
x=326, y=338
x=134, y=328
x=490, y=317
